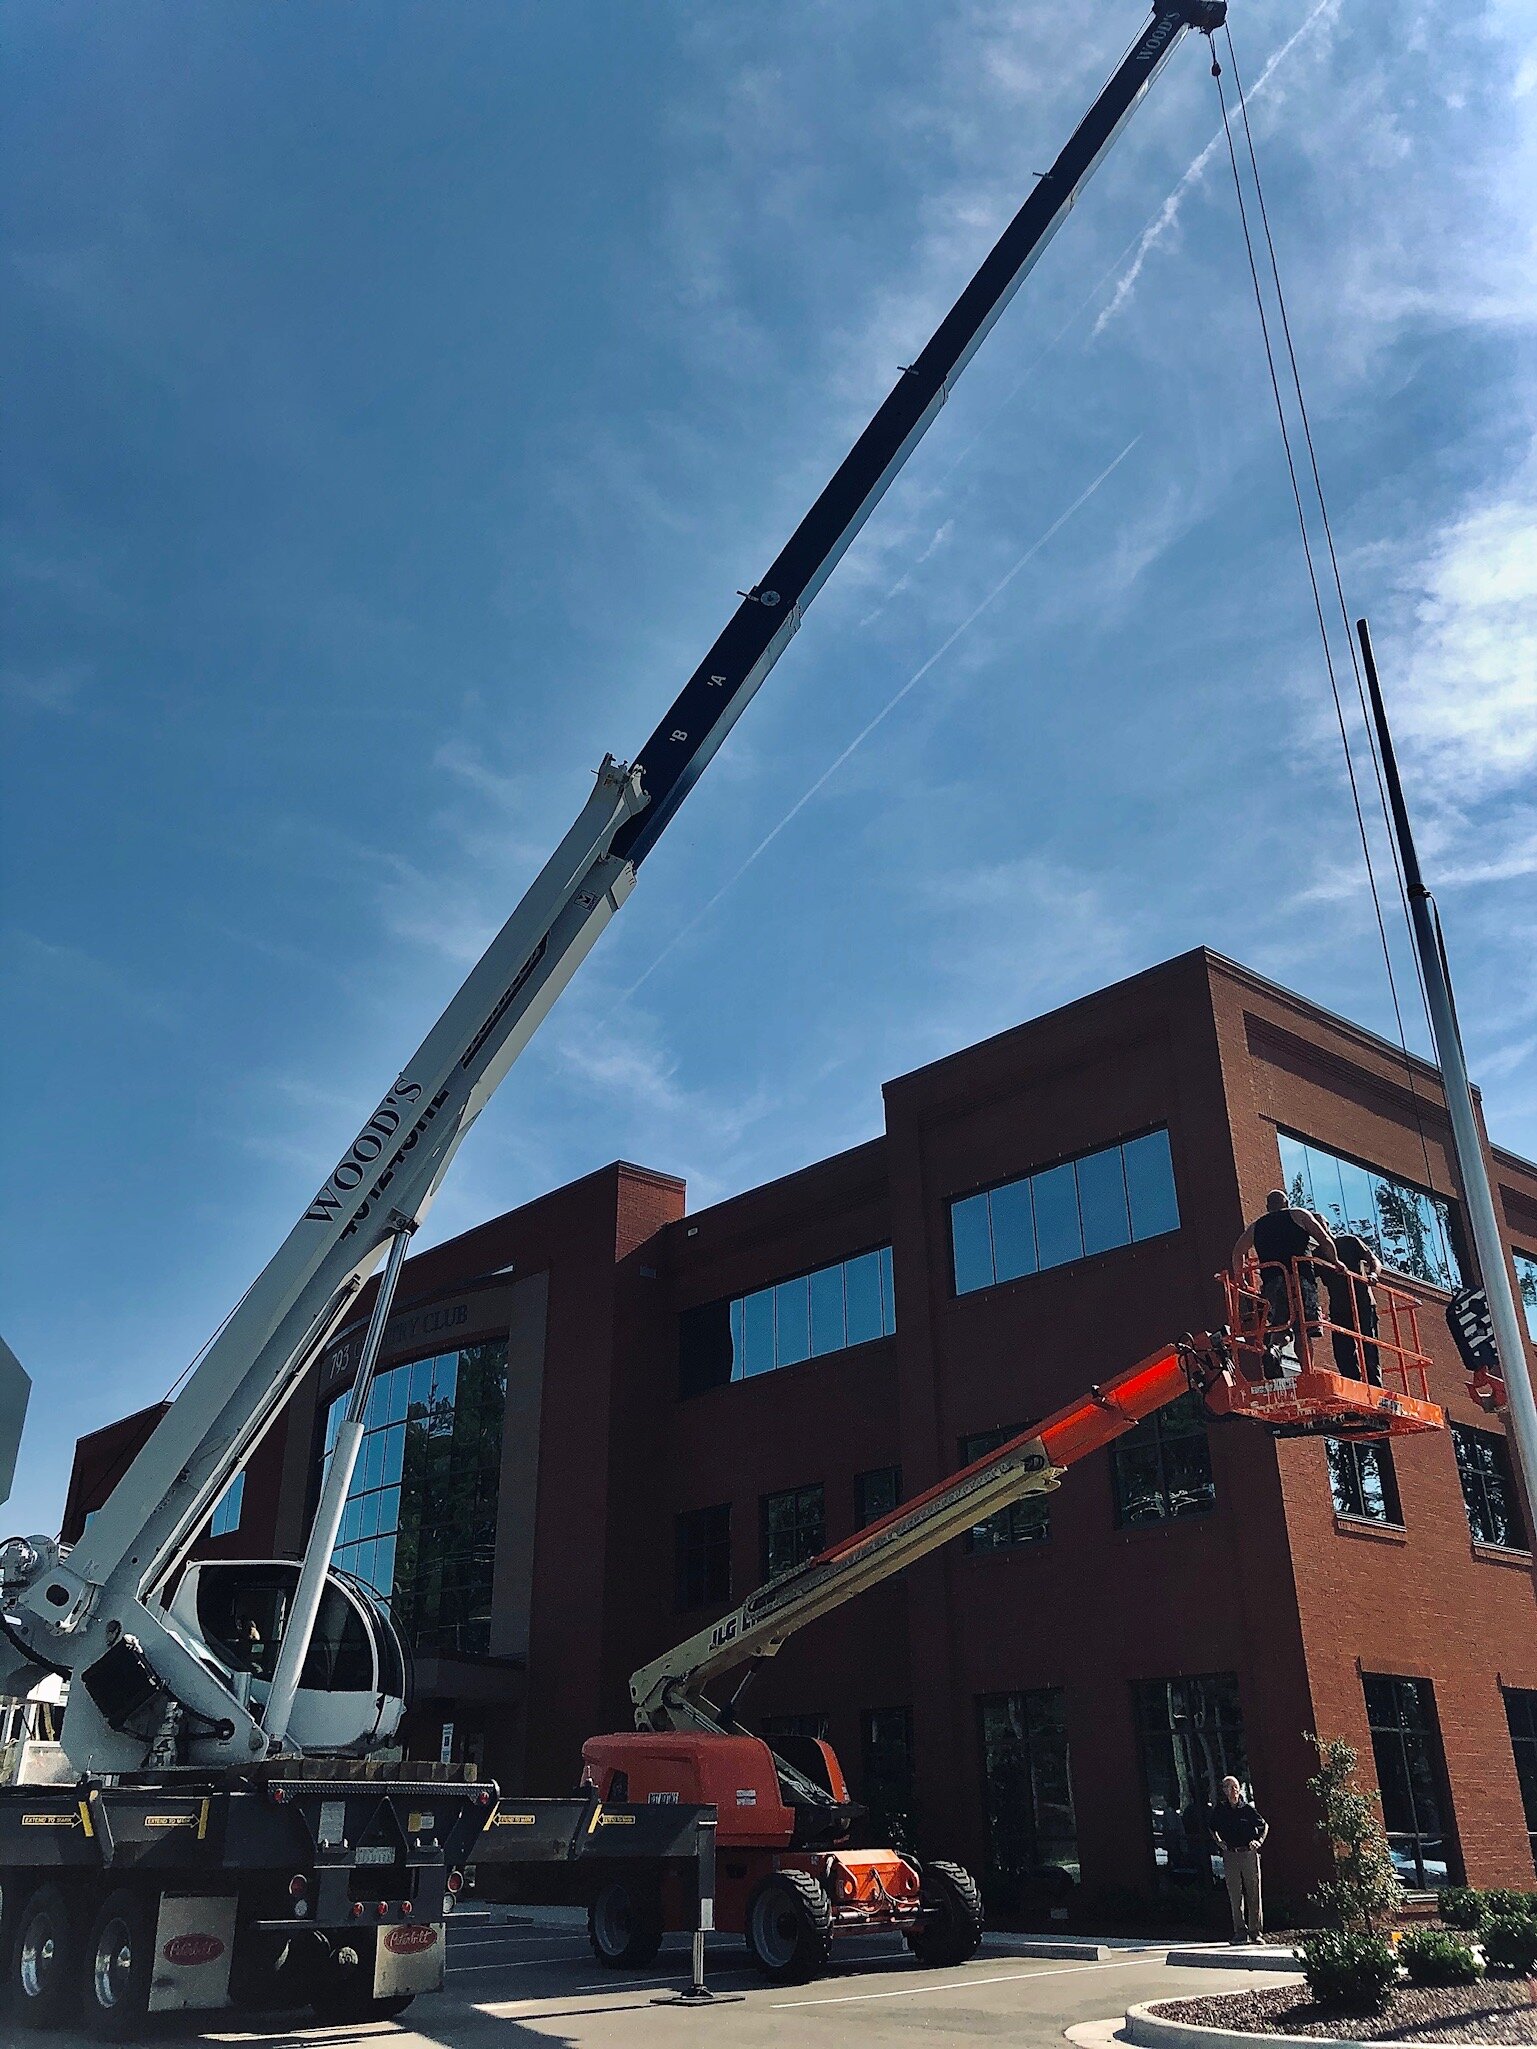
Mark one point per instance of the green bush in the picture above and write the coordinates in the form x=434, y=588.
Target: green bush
x=1355, y=1971
x=1461, y=1907
x=1520, y=1906
x=1432, y=1957
x=1510, y=1944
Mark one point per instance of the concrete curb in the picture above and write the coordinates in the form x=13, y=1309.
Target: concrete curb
x=1146, y=2030
x=1078, y=1948
x=1228, y=1956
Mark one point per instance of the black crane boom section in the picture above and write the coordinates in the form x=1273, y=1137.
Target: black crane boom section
x=710, y=703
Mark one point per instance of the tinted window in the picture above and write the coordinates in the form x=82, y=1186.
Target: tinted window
x=1022, y=1522
x=794, y=1526
x=862, y=1280
x=1150, y=1185
x=1488, y=1488
x=1013, y=1210
x=704, y=1556
x=1102, y=1201
x=1112, y=1197
x=876, y=1493
x=1161, y=1470
x=1192, y=1739
x=1027, y=1789
x=972, y=1243
x=1362, y=1481
x=1409, y=1229
x=792, y=1322
x=809, y=1315
x=1406, y=1745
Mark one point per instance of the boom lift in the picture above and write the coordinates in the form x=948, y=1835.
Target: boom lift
x=224, y=1810
x=787, y=1879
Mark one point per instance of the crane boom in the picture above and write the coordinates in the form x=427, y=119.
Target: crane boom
x=65, y=1611
x=667, y=1693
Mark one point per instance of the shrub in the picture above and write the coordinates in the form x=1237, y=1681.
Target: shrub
x=1510, y=1944
x=1520, y=1906
x=1461, y=1907
x=1355, y=1971
x=1364, y=1891
x=1432, y=1957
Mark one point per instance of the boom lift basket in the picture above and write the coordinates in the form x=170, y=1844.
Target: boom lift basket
x=1306, y=1373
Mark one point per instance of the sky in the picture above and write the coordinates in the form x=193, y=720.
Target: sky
x=399, y=395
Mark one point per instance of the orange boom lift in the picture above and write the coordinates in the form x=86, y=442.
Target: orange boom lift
x=787, y=1879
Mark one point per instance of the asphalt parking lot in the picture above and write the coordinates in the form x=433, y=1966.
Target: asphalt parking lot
x=523, y=1982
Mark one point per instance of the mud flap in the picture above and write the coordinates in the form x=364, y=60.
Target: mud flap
x=409, y=1958
x=194, y=1940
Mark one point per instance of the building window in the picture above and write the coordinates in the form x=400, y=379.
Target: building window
x=810, y=1728
x=1410, y=1230
x=1521, y=1713
x=876, y=1493
x=704, y=1556
x=1526, y=1281
x=1488, y=1488
x=1116, y=1196
x=886, y=1773
x=1027, y=1788
x=1022, y=1522
x=1192, y=1739
x=1406, y=1744
x=226, y=1515
x=1362, y=1481
x=420, y=1519
x=806, y=1317
x=794, y=1528
x=1161, y=1469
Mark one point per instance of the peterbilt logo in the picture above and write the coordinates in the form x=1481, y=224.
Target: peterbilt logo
x=410, y=1937
x=1156, y=37
x=192, y=1949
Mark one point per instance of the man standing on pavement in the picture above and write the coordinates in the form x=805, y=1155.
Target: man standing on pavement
x=1240, y=1831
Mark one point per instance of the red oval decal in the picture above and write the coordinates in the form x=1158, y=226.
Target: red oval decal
x=192, y=1949
x=410, y=1935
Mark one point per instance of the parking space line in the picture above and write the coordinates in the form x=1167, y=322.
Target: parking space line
x=956, y=1985
x=507, y=1964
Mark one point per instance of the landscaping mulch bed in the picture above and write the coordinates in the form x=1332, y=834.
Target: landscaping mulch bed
x=1495, y=2010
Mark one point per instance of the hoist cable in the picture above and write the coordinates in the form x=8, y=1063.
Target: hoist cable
x=1312, y=572
x=1323, y=505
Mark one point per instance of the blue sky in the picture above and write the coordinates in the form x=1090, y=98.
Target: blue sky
x=397, y=398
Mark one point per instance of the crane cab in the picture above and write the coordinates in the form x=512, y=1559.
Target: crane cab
x=352, y=1691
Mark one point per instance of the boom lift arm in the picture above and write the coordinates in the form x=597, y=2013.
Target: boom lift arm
x=68, y=1611
x=668, y=1693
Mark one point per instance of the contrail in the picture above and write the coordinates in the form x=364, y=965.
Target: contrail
x=885, y=712
x=1168, y=213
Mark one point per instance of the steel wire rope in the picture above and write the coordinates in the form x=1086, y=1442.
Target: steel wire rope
x=1313, y=584
x=1328, y=528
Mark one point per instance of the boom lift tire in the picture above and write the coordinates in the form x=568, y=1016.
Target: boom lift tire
x=624, y=1924
x=118, y=1963
x=952, y=1928
x=789, y=1927
x=46, y=1960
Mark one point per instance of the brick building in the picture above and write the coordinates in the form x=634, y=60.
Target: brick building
x=599, y=1417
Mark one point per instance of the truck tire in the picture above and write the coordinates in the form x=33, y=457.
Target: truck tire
x=268, y=1971
x=118, y=1962
x=46, y=1960
x=789, y=1927
x=624, y=1924
x=345, y=1992
x=952, y=1928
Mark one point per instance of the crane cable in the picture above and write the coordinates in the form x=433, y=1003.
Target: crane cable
x=1313, y=579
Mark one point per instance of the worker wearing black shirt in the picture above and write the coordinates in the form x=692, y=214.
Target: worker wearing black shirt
x=1240, y=1831
x=1281, y=1240
x=1353, y=1307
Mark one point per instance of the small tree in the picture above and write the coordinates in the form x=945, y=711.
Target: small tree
x=1364, y=1891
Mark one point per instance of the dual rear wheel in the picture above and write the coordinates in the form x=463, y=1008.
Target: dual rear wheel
x=61, y=1961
